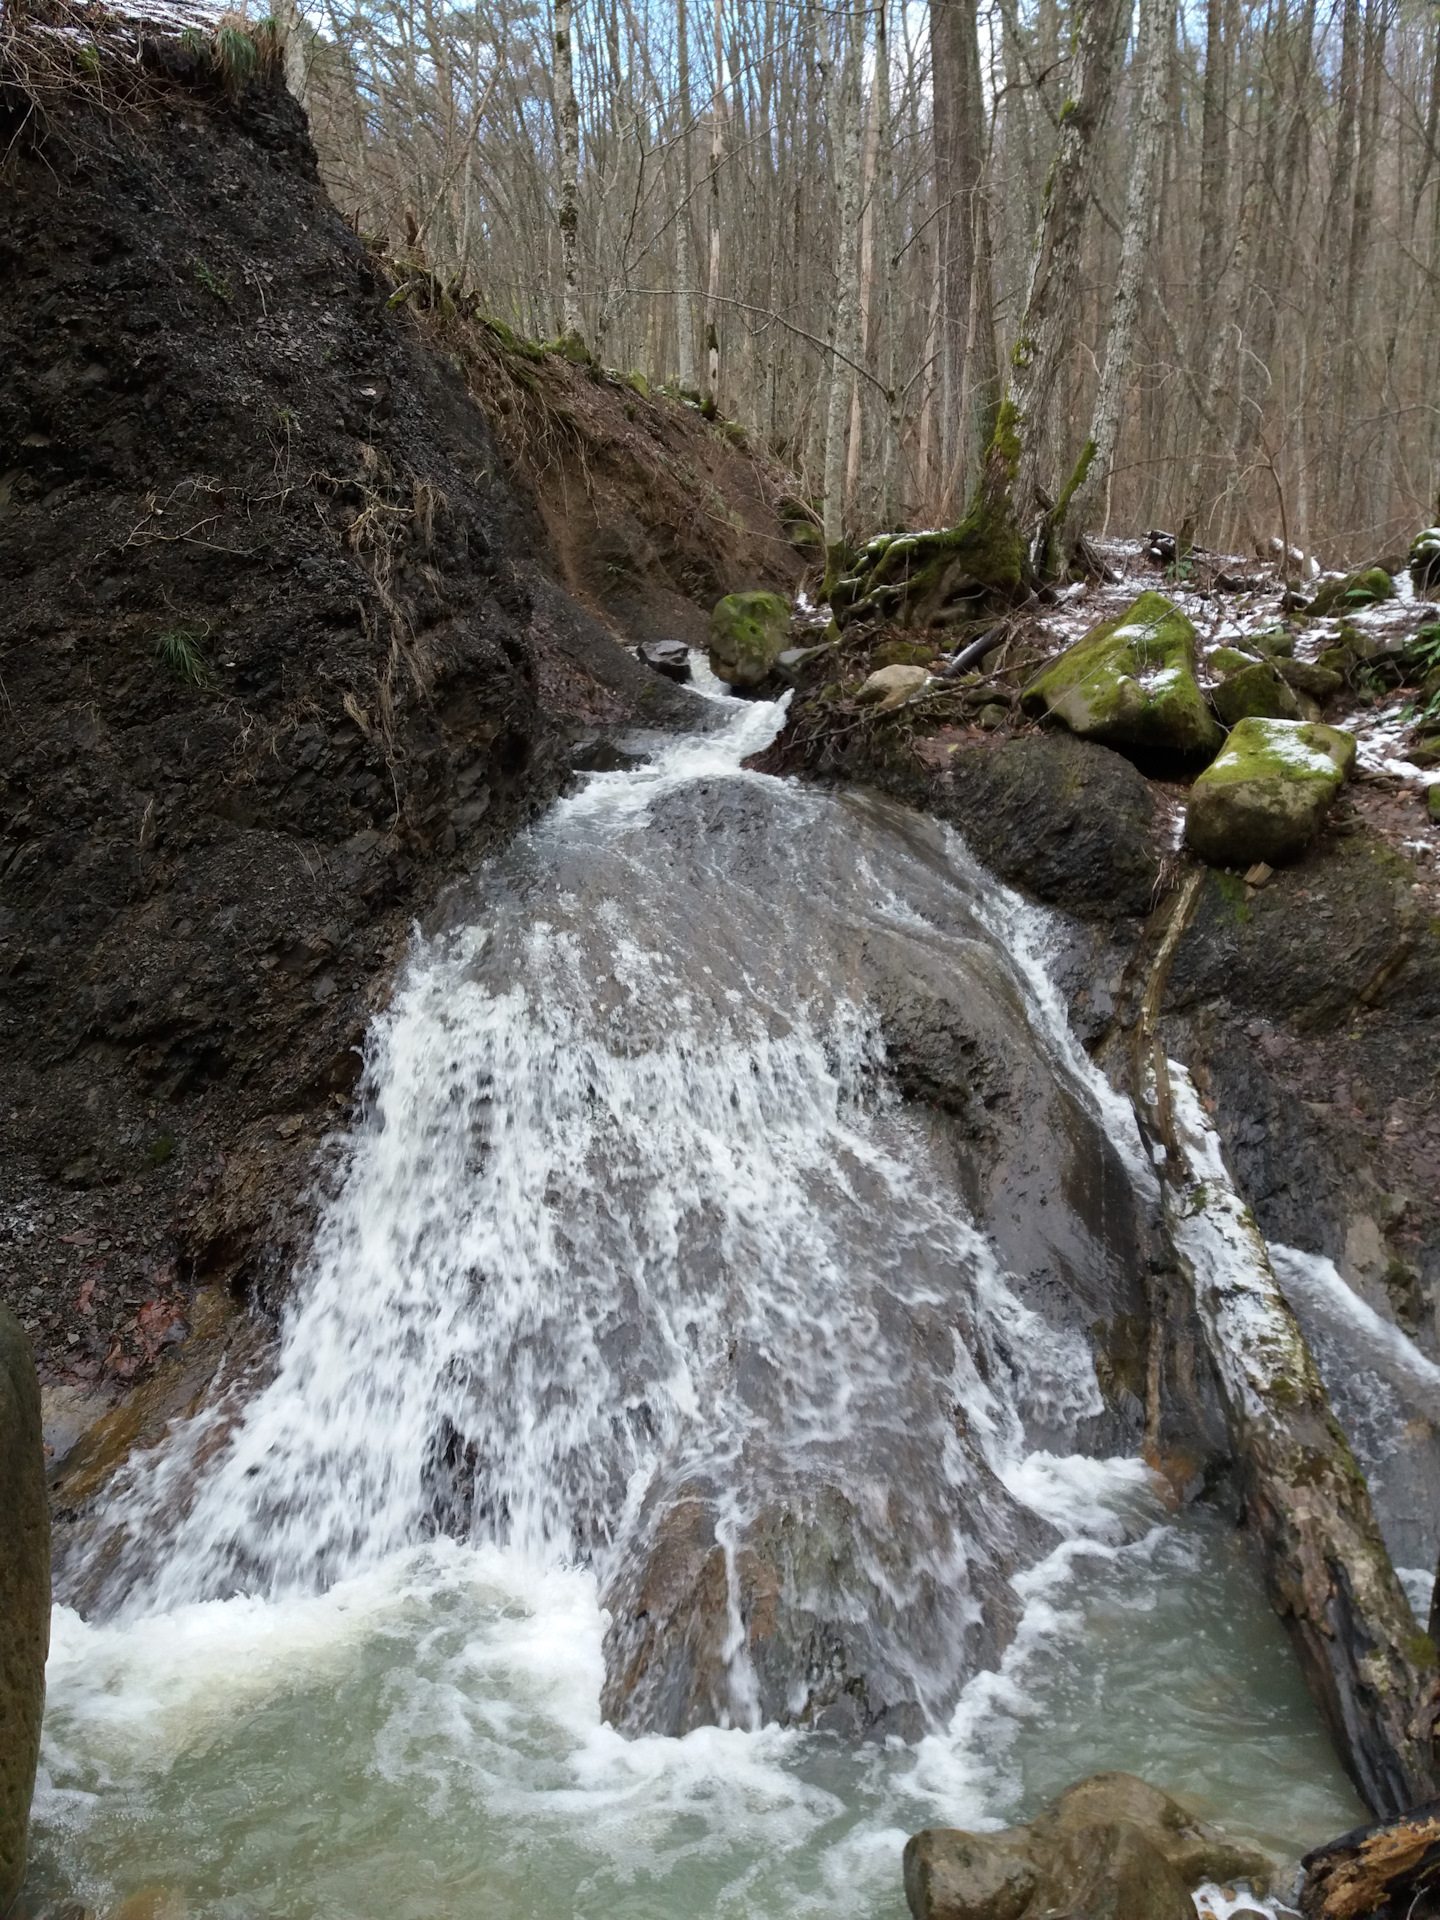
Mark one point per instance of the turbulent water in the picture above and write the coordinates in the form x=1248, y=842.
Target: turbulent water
x=638, y=1262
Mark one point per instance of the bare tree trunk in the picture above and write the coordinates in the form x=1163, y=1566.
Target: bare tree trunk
x=884, y=192
x=684, y=306
x=1157, y=23
x=845, y=140
x=569, y=109
x=1055, y=267
x=717, y=154
x=959, y=118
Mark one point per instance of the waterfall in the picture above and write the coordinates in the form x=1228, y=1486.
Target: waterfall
x=659, y=1368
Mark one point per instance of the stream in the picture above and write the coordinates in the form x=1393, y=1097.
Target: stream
x=682, y=1475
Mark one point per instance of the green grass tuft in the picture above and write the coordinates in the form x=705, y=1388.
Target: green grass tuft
x=179, y=652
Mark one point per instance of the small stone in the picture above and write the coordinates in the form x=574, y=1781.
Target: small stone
x=992, y=716
x=891, y=686
x=669, y=657
x=1259, y=874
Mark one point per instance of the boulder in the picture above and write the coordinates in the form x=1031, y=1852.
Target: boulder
x=1228, y=660
x=24, y=1595
x=1111, y=1848
x=1256, y=692
x=670, y=657
x=748, y=632
x=1274, y=642
x=1308, y=676
x=1131, y=683
x=1265, y=796
x=1424, y=560
x=1361, y=589
x=891, y=686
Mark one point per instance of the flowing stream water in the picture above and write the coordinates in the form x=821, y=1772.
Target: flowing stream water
x=635, y=1224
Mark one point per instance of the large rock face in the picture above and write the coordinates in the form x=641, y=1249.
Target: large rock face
x=748, y=632
x=1266, y=795
x=24, y=1595
x=1111, y=1848
x=1131, y=683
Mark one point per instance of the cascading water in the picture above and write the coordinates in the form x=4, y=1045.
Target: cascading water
x=642, y=1287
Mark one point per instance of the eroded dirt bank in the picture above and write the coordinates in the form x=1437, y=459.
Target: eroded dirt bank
x=284, y=648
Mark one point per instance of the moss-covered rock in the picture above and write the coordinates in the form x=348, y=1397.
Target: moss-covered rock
x=1265, y=795
x=1228, y=660
x=748, y=632
x=1321, y=682
x=1274, y=642
x=1361, y=589
x=1424, y=560
x=1256, y=692
x=903, y=653
x=1131, y=683
x=24, y=1595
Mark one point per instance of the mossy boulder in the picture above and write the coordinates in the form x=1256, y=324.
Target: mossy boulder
x=1321, y=682
x=1130, y=683
x=1256, y=692
x=1274, y=642
x=748, y=632
x=1424, y=560
x=1363, y=589
x=1266, y=794
x=24, y=1595
x=1228, y=660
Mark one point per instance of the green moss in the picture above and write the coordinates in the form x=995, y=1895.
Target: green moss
x=1228, y=660
x=1361, y=589
x=1005, y=441
x=1131, y=683
x=1256, y=691
x=637, y=383
x=1265, y=794
x=748, y=632
x=1075, y=482
x=1235, y=896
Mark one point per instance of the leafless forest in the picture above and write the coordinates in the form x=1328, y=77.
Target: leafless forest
x=1206, y=242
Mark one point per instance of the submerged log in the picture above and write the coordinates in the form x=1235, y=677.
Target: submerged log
x=1371, y=1670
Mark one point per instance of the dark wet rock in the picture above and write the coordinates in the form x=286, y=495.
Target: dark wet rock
x=24, y=1595
x=748, y=632
x=1130, y=683
x=1257, y=691
x=670, y=657
x=1265, y=796
x=866, y=1611
x=1069, y=822
x=1110, y=1848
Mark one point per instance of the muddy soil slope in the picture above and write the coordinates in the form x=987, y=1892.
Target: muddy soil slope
x=284, y=647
